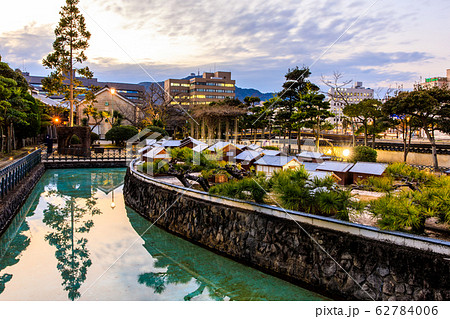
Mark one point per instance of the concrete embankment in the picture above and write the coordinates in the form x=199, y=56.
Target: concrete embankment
x=337, y=258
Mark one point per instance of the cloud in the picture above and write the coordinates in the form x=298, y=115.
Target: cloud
x=256, y=40
x=27, y=45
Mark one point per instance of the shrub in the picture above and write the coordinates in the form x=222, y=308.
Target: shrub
x=378, y=184
x=409, y=210
x=403, y=170
x=364, y=154
x=399, y=213
x=317, y=196
x=155, y=167
x=120, y=134
x=184, y=154
x=247, y=189
x=271, y=147
x=157, y=129
x=75, y=140
x=94, y=137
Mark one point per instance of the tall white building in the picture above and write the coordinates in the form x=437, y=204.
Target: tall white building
x=340, y=97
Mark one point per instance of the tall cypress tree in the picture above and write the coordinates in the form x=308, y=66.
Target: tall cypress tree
x=69, y=46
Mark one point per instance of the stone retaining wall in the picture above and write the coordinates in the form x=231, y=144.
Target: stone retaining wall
x=12, y=202
x=372, y=264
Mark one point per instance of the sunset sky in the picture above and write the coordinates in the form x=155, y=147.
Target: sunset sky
x=391, y=42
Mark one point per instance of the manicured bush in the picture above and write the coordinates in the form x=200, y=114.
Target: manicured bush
x=399, y=213
x=157, y=129
x=250, y=188
x=75, y=140
x=364, y=154
x=409, y=209
x=403, y=170
x=317, y=196
x=120, y=134
x=184, y=154
x=154, y=167
x=378, y=184
x=270, y=147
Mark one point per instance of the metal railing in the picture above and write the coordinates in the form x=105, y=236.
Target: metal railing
x=97, y=155
x=12, y=174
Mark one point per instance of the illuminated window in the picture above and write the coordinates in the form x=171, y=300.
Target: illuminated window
x=229, y=85
x=174, y=84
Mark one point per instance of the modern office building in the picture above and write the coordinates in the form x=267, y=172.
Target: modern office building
x=437, y=82
x=132, y=92
x=198, y=90
x=340, y=97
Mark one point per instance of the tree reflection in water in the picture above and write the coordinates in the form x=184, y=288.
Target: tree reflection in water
x=174, y=256
x=68, y=222
x=15, y=239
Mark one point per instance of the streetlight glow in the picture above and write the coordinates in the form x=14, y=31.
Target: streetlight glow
x=346, y=152
x=113, y=91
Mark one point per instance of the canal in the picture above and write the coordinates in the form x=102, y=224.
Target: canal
x=74, y=239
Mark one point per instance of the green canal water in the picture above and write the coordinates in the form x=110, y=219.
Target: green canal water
x=74, y=239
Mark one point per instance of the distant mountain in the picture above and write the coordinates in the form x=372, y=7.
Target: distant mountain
x=240, y=92
x=147, y=84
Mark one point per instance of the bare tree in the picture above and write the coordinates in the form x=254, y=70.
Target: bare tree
x=337, y=95
x=154, y=104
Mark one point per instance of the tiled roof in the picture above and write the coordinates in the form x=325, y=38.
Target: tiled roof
x=248, y=155
x=277, y=161
x=333, y=166
x=171, y=143
x=271, y=152
x=369, y=168
x=218, y=146
x=200, y=148
x=310, y=166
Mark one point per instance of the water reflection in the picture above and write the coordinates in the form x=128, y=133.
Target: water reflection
x=15, y=240
x=68, y=222
x=69, y=234
x=178, y=262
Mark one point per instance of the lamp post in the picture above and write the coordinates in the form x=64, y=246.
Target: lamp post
x=113, y=204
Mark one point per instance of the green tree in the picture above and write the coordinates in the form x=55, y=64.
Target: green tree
x=400, y=120
x=296, y=83
x=364, y=154
x=312, y=112
x=13, y=110
x=428, y=110
x=19, y=111
x=119, y=134
x=69, y=46
x=368, y=112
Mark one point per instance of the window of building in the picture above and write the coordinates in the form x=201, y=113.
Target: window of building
x=174, y=84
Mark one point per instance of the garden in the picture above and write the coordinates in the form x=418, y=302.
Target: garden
x=408, y=199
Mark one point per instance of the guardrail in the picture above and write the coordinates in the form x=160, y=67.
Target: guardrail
x=97, y=155
x=12, y=174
